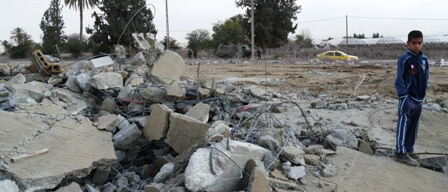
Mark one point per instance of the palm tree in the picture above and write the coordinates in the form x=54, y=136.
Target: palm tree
x=80, y=4
x=19, y=36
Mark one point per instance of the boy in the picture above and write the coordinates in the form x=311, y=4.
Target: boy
x=411, y=84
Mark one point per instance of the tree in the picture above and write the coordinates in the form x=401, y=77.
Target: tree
x=6, y=45
x=376, y=35
x=23, y=43
x=228, y=32
x=304, y=39
x=198, y=39
x=173, y=44
x=360, y=36
x=117, y=20
x=80, y=4
x=73, y=45
x=19, y=36
x=273, y=21
x=52, y=26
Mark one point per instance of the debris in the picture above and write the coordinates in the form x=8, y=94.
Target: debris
x=185, y=131
x=27, y=156
x=200, y=111
x=258, y=181
x=106, y=81
x=157, y=125
x=168, y=68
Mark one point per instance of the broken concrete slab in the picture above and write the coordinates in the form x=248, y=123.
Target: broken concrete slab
x=200, y=176
x=174, y=91
x=157, y=125
x=138, y=59
x=108, y=122
x=185, y=131
x=168, y=68
x=73, y=187
x=258, y=181
x=293, y=172
x=125, y=93
x=127, y=137
x=140, y=42
x=8, y=186
x=269, y=142
x=17, y=79
x=218, y=131
x=154, y=94
x=32, y=92
x=82, y=80
x=164, y=173
x=72, y=85
x=293, y=154
x=342, y=137
x=200, y=111
x=66, y=140
x=107, y=80
x=75, y=102
x=100, y=175
x=109, y=105
x=134, y=80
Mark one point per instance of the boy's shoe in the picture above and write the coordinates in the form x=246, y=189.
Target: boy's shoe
x=404, y=158
x=414, y=156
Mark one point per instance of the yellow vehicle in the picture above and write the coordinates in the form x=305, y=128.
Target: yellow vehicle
x=336, y=55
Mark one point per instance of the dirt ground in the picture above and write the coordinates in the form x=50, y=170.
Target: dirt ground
x=357, y=171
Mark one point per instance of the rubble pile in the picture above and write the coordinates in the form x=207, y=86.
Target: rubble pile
x=141, y=126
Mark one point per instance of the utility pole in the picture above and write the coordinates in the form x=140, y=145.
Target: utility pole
x=252, y=31
x=346, y=30
x=167, y=28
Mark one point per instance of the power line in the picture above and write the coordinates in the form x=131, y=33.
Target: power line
x=398, y=18
x=379, y=18
x=319, y=20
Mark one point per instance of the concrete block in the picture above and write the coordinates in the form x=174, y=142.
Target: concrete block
x=293, y=154
x=269, y=142
x=200, y=112
x=90, y=188
x=125, y=93
x=134, y=80
x=109, y=105
x=72, y=85
x=157, y=124
x=140, y=120
x=73, y=187
x=100, y=175
x=175, y=91
x=122, y=122
x=293, y=172
x=8, y=185
x=343, y=137
x=140, y=42
x=168, y=68
x=82, y=80
x=164, y=173
x=109, y=80
x=185, y=131
x=311, y=159
x=17, y=79
x=138, y=59
x=199, y=174
x=108, y=122
x=258, y=181
x=153, y=94
x=127, y=137
x=75, y=101
x=32, y=92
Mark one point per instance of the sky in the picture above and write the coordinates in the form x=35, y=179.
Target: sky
x=318, y=18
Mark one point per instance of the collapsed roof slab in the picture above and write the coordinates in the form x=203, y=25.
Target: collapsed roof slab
x=75, y=148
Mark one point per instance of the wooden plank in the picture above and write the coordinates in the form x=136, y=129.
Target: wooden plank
x=27, y=156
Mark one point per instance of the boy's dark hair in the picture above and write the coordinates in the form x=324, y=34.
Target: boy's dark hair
x=415, y=34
